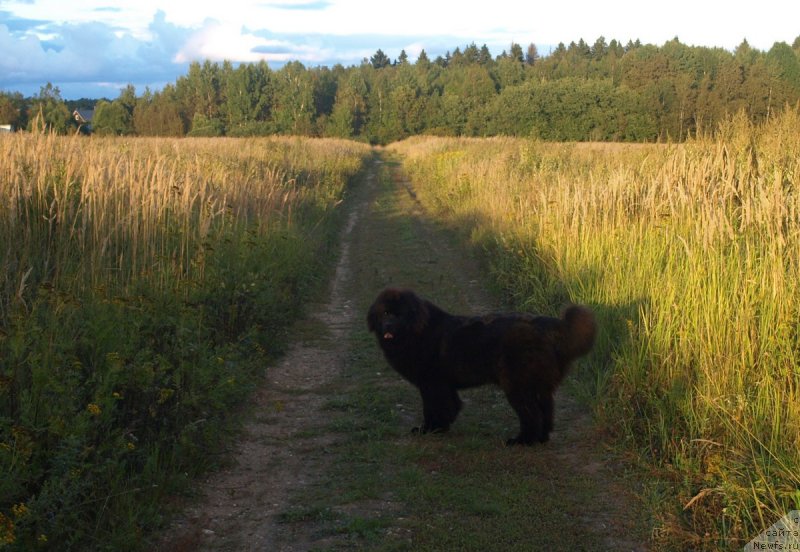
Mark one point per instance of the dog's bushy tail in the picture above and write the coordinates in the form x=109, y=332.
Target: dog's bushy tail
x=579, y=330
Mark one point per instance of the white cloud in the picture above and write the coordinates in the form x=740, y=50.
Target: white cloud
x=216, y=42
x=150, y=40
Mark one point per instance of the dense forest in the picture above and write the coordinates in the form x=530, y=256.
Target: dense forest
x=602, y=91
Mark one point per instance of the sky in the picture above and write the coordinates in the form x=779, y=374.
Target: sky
x=94, y=48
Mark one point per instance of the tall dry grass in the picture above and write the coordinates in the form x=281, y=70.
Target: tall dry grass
x=144, y=283
x=691, y=255
x=107, y=212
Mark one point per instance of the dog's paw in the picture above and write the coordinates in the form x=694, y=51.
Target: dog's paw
x=519, y=441
x=426, y=429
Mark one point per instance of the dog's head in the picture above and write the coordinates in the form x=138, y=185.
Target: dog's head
x=397, y=313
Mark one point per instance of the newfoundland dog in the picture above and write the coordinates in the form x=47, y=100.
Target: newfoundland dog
x=440, y=353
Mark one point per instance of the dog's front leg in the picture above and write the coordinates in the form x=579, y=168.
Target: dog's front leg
x=440, y=406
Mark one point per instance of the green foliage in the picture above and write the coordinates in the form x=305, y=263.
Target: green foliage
x=203, y=126
x=112, y=118
x=248, y=98
x=159, y=114
x=294, y=100
x=12, y=110
x=132, y=326
x=49, y=113
x=605, y=91
x=547, y=110
x=380, y=60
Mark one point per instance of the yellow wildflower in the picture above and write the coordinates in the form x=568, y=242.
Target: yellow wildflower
x=19, y=510
x=6, y=530
x=94, y=409
x=164, y=395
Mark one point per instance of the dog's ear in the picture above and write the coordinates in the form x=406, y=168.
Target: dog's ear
x=419, y=312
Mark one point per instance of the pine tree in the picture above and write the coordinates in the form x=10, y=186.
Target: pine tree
x=423, y=61
x=516, y=52
x=485, y=56
x=380, y=60
x=457, y=58
x=532, y=55
x=471, y=54
x=599, y=49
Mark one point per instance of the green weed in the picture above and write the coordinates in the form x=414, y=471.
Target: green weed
x=148, y=284
x=689, y=255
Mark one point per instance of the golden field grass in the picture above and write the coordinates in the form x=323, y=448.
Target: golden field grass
x=691, y=256
x=145, y=283
x=112, y=211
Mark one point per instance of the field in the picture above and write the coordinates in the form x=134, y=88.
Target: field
x=144, y=284
x=147, y=283
x=691, y=256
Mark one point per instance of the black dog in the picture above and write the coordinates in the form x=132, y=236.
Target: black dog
x=440, y=353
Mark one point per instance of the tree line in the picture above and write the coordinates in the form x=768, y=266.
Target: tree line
x=602, y=91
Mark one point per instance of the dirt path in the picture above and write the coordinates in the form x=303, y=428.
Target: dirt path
x=279, y=452
x=299, y=479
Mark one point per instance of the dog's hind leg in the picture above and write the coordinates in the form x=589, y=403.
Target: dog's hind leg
x=530, y=417
x=546, y=403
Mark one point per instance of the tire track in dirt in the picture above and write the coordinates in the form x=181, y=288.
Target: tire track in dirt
x=282, y=447
x=606, y=510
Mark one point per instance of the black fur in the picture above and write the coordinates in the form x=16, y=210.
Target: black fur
x=440, y=353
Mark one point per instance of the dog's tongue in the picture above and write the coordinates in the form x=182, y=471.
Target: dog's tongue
x=388, y=335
